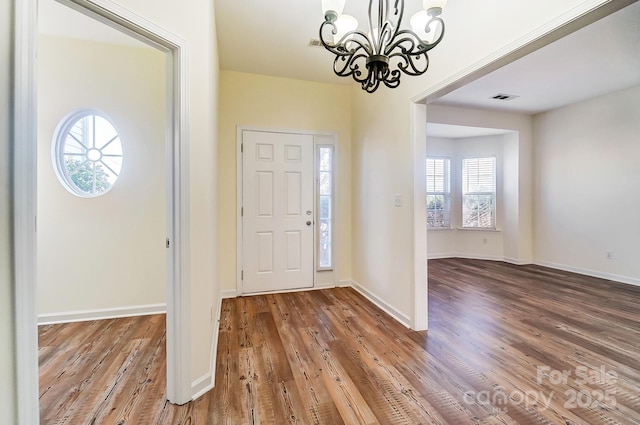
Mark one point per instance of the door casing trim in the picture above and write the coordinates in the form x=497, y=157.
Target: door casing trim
x=25, y=195
x=239, y=186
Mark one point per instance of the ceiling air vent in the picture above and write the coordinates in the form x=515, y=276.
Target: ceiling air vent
x=502, y=96
x=314, y=42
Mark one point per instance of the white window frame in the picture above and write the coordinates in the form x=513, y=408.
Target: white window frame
x=58, y=151
x=446, y=194
x=332, y=196
x=465, y=193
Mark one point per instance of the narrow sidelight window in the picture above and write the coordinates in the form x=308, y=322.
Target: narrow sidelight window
x=325, y=202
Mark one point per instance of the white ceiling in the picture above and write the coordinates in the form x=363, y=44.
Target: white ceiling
x=601, y=58
x=598, y=59
x=271, y=37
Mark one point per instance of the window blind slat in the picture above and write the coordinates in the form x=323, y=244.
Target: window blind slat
x=438, y=192
x=478, y=192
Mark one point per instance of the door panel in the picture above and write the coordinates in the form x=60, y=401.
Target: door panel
x=277, y=198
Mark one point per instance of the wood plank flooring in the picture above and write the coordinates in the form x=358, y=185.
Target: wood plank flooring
x=506, y=345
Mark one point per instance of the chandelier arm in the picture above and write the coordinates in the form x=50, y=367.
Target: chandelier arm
x=355, y=44
x=388, y=28
x=407, y=41
x=425, y=46
x=355, y=37
x=417, y=46
x=372, y=40
x=371, y=83
x=400, y=13
x=393, y=80
x=386, y=34
x=350, y=66
x=412, y=64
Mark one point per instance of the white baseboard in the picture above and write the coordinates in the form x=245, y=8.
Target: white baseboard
x=388, y=308
x=101, y=314
x=206, y=382
x=479, y=257
x=325, y=285
x=516, y=261
x=588, y=272
x=202, y=385
x=228, y=293
x=345, y=284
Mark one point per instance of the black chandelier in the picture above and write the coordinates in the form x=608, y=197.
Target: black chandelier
x=386, y=51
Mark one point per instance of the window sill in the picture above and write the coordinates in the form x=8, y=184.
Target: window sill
x=479, y=229
x=439, y=229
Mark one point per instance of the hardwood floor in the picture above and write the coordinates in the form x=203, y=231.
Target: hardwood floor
x=506, y=345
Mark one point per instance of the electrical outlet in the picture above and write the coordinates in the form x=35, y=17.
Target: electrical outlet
x=484, y=241
x=397, y=200
x=609, y=255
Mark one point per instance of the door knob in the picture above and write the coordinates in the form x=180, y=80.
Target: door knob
x=308, y=222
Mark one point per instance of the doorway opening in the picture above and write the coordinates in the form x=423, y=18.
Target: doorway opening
x=572, y=21
x=101, y=206
x=177, y=196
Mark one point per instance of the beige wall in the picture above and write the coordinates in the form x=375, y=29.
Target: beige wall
x=383, y=255
x=7, y=323
x=586, y=180
x=282, y=104
x=105, y=252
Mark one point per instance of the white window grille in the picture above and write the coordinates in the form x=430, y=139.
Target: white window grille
x=87, y=153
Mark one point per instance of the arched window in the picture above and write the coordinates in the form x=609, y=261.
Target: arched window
x=87, y=153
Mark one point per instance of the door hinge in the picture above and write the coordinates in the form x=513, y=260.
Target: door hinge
x=168, y=243
x=241, y=211
x=242, y=275
x=241, y=147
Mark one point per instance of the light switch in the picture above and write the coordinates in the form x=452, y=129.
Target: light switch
x=397, y=200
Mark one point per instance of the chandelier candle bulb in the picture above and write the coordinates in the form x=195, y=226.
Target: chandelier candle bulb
x=344, y=24
x=385, y=51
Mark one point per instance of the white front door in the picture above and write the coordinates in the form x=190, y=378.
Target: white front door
x=277, y=218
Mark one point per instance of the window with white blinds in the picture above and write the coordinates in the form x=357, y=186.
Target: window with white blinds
x=479, y=193
x=438, y=193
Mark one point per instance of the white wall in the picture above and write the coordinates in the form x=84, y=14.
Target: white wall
x=458, y=242
x=281, y=104
x=193, y=21
x=105, y=252
x=7, y=322
x=586, y=186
